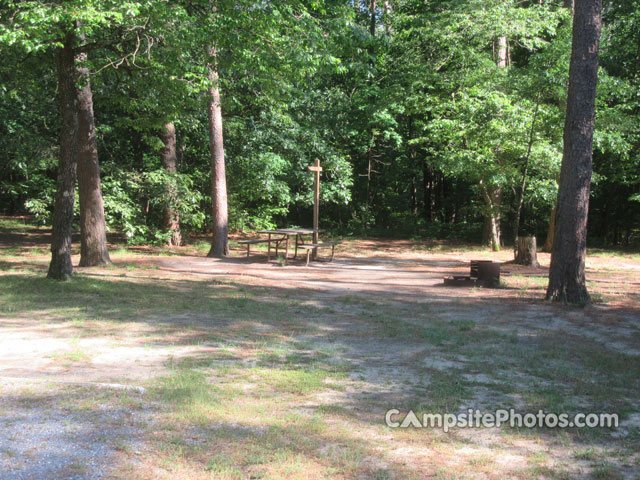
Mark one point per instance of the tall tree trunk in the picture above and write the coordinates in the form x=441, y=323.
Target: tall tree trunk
x=605, y=218
x=220, y=240
x=432, y=195
x=491, y=231
x=548, y=243
x=428, y=193
x=501, y=49
x=372, y=17
x=61, y=267
x=566, y=274
x=414, y=197
x=486, y=230
x=369, y=174
x=523, y=185
x=169, y=155
x=493, y=195
x=387, y=20
x=442, y=196
x=139, y=147
x=370, y=152
x=93, y=230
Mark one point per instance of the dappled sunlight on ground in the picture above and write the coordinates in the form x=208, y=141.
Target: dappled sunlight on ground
x=179, y=366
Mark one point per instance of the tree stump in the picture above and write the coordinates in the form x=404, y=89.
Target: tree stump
x=527, y=252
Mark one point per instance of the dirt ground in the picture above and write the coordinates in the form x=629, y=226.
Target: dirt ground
x=379, y=312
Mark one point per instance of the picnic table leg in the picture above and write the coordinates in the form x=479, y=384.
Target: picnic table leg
x=286, y=249
x=308, y=255
x=269, y=249
x=332, y=250
x=248, y=248
x=277, y=246
x=295, y=255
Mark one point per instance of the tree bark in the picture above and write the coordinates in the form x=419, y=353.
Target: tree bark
x=170, y=216
x=548, y=243
x=501, y=49
x=370, y=152
x=93, y=230
x=414, y=197
x=523, y=185
x=491, y=229
x=527, y=252
x=493, y=195
x=387, y=20
x=426, y=190
x=61, y=267
x=566, y=274
x=220, y=240
x=372, y=17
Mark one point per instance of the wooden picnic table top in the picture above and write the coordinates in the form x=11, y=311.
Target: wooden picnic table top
x=289, y=231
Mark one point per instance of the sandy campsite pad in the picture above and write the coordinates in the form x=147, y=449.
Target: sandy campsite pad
x=180, y=366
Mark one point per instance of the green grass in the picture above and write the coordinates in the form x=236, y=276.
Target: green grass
x=444, y=394
x=588, y=453
x=90, y=298
x=187, y=394
x=616, y=254
x=16, y=224
x=606, y=471
x=272, y=382
x=76, y=355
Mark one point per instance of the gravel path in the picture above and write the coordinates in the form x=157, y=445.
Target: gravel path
x=45, y=437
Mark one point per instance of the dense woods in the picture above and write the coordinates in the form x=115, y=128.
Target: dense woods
x=305, y=239
x=435, y=119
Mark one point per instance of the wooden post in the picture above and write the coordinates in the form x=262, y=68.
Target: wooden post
x=269, y=249
x=316, y=203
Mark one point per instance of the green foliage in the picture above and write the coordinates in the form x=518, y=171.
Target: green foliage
x=124, y=193
x=408, y=119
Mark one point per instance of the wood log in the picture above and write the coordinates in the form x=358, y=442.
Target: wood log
x=527, y=252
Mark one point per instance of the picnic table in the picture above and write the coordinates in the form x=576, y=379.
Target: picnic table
x=283, y=235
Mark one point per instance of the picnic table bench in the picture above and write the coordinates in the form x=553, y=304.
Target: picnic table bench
x=255, y=241
x=310, y=247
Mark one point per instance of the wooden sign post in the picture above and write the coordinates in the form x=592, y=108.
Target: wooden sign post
x=316, y=169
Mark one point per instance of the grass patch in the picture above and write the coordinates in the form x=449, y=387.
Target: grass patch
x=296, y=381
x=444, y=393
x=606, y=471
x=76, y=355
x=615, y=254
x=271, y=382
x=187, y=394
